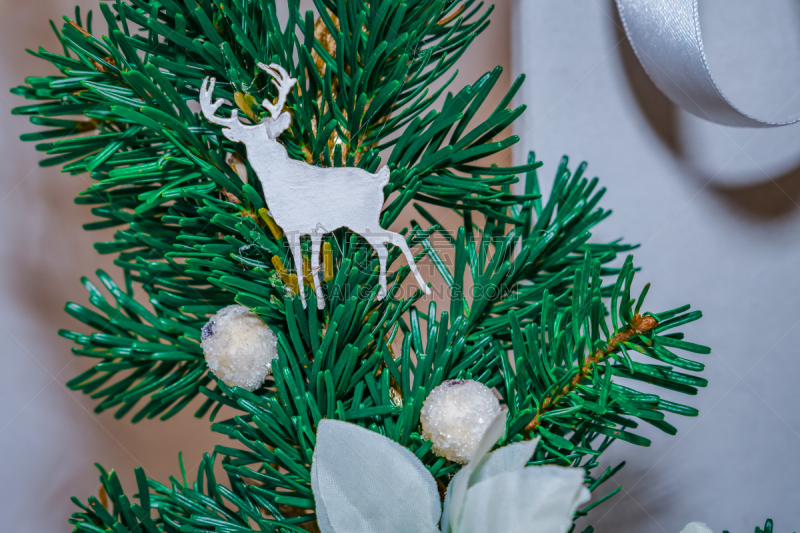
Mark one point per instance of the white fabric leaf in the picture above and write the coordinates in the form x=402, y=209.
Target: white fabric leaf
x=506, y=459
x=493, y=433
x=540, y=499
x=364, y=482
x=323, y=522
x=457, y=490
x=459, y=485
x=696, y=527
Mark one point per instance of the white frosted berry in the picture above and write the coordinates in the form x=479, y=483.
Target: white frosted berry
x=239, y=347
x=455, y=416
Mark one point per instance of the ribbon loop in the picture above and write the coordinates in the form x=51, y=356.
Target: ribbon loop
x=665, y=34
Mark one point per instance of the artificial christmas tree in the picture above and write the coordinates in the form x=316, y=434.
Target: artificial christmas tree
x=537, y=312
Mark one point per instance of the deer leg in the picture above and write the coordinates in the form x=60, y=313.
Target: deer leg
x=398, y=240
x=297, y=254
x=316, y=241
x=377, y=243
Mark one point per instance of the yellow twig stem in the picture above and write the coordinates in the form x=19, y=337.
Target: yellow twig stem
x=638, y=326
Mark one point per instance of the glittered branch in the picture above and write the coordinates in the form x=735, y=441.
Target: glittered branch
x=639, y=326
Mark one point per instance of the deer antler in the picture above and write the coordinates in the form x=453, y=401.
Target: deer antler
x=210, y=108
x=283, y=82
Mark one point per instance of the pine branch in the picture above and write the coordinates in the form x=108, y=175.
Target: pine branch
x=513, y=267
x=570, y=397
x=639, y=326
x=193, y=238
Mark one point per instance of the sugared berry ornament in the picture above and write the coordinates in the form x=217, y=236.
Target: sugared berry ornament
x=239, y=347
x=455, y=416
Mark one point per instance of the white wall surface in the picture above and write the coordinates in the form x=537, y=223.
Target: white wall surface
x=716, y=211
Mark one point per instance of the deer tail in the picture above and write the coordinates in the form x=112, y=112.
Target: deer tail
x=383, y=175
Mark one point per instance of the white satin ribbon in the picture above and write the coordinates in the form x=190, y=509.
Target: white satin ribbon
x=364, y=482
x=665, y=34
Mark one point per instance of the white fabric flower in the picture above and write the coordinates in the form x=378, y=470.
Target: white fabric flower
x=696, y=527
x=364, y=482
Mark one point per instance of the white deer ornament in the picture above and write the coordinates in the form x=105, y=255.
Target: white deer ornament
x=304, y=199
